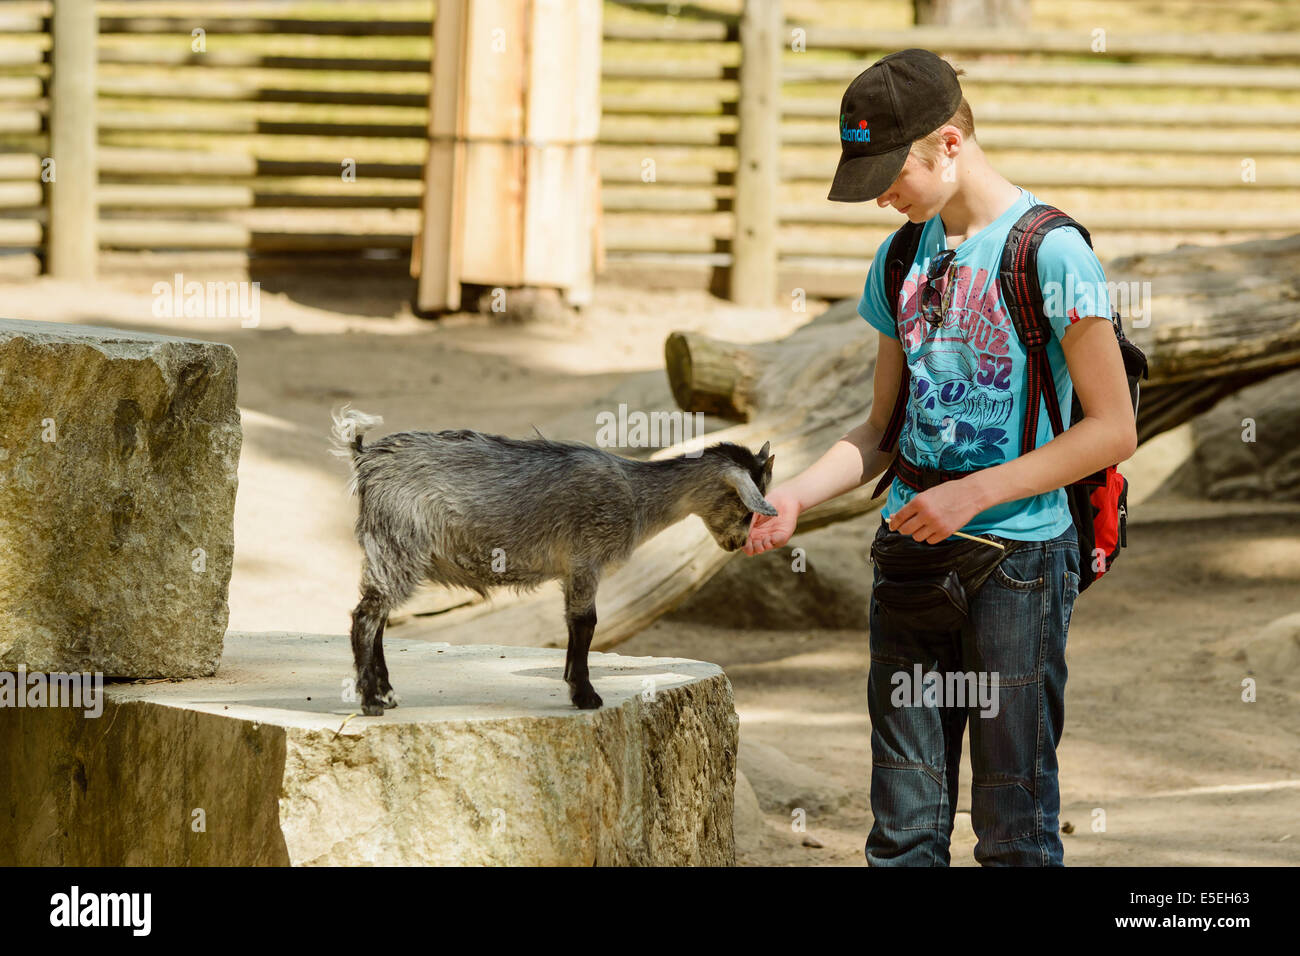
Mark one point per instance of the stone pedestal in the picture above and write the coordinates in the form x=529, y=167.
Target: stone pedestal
x=484, y=762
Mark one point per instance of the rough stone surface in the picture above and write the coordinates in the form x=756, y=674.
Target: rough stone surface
x=784, y=784
x=484, y=762
x=117, y=536
x=1226, y=466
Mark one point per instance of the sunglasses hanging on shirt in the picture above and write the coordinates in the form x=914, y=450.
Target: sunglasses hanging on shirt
x=931, y=301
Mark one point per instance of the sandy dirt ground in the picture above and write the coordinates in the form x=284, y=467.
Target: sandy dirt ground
x=1158, y=741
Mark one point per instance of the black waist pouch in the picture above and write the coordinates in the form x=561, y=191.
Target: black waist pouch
x=926, y=587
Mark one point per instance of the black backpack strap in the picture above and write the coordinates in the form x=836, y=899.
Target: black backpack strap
x=1018, y=277
x=898, y=262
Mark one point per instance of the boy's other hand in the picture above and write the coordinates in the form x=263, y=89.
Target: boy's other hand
x=767, y=533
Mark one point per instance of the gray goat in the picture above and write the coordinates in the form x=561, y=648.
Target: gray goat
x=479, y=511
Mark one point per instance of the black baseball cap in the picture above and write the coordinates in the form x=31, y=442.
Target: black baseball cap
x=895, y=101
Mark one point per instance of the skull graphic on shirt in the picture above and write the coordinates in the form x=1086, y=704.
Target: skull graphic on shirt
x=958, y=417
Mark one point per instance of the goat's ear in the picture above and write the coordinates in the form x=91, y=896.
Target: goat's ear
x=749, y=494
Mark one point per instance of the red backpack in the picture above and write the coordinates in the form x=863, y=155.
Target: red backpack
x=1098, y=502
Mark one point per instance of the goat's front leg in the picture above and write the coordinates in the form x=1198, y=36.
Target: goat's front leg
x=580, y=615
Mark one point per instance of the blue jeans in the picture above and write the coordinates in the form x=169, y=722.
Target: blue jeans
x=1015, y=635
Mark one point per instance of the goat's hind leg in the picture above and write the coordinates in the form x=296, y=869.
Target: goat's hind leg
x=386, y=581
x=580, y=615
x=368, y=619
x=386, y=692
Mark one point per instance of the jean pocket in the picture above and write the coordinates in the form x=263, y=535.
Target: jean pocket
x=1022, y=570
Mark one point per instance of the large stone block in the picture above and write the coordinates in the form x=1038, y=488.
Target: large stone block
x=119, y=454
x=484, y=762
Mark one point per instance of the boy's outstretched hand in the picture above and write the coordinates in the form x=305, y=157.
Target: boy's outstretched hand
x=767, y=533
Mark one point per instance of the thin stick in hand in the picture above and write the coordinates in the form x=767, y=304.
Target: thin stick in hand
x=973, y=537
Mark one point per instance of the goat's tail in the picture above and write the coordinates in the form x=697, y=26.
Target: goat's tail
x=349, y=425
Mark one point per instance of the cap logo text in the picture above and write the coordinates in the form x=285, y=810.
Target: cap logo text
x=859, y=134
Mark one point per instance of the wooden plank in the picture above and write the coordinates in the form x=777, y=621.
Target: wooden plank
x=1156, y=220
x=562, y=120
x=152, y=164
x=1114, y=141
x=1118, y=43
x=233, y=196
x=1102, y=75
x=248, y=60
x=21, y=23
x=188, y=120
x=72, y=250
x=588, y=251
x=20, y=266
x=666, y=70
x=1205, y=175
x=20, y=166
x=1053, y=114
x=218, y=88
x=438, y=263
x=710, y=131
x=291, y=26
x=758, y=148
x=492, y=243
x=21, y=195
x=21, y=234
x=190, y=234
x=547, y=236
x=676, y=31
x=21, y=87
x=659, y=198
x=615, y=169
x=241, y=263
x=18, y=122
x=16, y=55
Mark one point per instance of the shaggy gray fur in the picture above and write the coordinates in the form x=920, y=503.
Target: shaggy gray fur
x=479, y=511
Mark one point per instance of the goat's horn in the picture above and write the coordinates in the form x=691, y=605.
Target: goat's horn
x=762, y=452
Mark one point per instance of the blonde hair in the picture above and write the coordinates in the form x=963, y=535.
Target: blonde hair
x=928, y=148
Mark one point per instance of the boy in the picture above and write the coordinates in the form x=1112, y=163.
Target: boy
x=908, y=141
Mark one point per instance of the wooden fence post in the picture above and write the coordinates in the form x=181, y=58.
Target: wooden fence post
x=758, y=154
x=72, y=243
x=514, y=116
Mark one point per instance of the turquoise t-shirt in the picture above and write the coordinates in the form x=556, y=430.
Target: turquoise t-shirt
x=966, y=409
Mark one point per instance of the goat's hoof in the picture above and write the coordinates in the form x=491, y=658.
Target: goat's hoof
x=391, y=698
x=586, y=698
x=375, y=709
